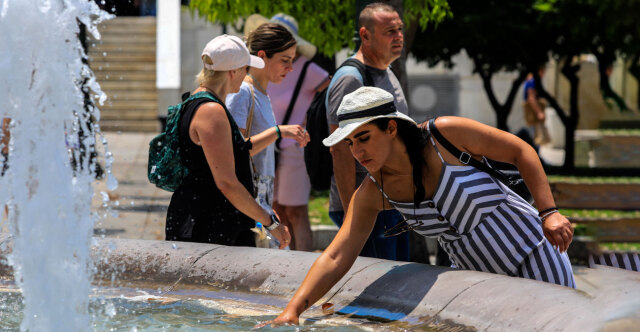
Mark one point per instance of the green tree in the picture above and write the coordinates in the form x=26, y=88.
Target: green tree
x=607, y=29
x=502, y=35
x=329, y=24
x=603, y=28
x=619, y=36
x=498, y=36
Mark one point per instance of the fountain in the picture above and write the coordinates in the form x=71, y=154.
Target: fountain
x=41, y=71
x=51, y=252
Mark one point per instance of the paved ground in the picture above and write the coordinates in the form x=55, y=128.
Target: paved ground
x=136, y=209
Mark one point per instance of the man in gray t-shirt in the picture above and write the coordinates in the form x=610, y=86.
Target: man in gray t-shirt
x=382, y=41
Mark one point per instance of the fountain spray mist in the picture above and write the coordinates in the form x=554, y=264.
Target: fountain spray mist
x=41, y=78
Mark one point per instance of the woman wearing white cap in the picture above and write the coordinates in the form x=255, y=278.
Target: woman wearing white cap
x=479, y=221
x=251, y=106
x=214, y=203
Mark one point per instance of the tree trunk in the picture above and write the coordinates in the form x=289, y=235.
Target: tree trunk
x=605, y=60
x=634, y=70
x=570, y=71
x=502, y=110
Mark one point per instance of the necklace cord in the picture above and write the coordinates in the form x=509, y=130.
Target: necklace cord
x=257, y=84
x=404, y=219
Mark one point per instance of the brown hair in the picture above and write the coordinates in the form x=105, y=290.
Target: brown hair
x=366, y=15
x=270, y=38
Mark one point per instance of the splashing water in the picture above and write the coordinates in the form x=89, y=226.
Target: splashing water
x=41, y=80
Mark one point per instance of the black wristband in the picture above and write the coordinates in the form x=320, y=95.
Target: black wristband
x=546, y=210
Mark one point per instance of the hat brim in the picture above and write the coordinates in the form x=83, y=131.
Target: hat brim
x=256, y=62
x=349, y=126
x=253, y=22
x=305, y=48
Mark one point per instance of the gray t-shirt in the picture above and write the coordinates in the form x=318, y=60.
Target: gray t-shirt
x=345, y=81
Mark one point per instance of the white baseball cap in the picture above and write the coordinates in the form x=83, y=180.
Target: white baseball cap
x=362, y=106
x=228, y=53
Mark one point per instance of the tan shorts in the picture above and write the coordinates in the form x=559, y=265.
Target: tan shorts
x=292, y=186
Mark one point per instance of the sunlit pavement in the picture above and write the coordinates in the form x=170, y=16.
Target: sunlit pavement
x=136, y=209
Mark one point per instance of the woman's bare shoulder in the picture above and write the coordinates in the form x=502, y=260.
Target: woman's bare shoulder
x=368, y=195
x=211, y=111
x=210, y=118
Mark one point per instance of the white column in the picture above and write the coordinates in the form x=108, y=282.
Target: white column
x=168, y=44
x=167, y=54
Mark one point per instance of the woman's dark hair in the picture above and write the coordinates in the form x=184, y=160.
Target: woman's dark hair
x=415, y=140
x=270, y=38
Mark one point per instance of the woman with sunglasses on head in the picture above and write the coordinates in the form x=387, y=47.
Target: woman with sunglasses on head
x=480, y=222
x=251, y=106
x=215, y=203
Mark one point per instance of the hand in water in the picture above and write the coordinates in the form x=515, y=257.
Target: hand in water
x=283, y=319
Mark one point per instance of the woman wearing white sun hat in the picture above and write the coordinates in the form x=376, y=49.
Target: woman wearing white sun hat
x=215, y=203
x=479, y=221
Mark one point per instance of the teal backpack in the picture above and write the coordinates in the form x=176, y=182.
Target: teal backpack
x=165, y=168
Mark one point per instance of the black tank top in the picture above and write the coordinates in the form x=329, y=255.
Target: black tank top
x=193, y=156
x=198, y=211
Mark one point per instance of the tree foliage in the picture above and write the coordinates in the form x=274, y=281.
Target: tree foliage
x=328, y=24
x=498, y=35
x=503, y=35
x=603, y=28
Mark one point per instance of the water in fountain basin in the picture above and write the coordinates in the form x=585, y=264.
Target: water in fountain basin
x=49, y=206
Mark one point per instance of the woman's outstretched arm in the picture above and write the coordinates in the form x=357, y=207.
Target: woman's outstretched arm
x=265, y=138
x=481, y=140
x=338, y=258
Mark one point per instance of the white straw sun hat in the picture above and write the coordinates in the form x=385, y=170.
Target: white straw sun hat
x=303, y=47
x=228, y=53
x=360, y=107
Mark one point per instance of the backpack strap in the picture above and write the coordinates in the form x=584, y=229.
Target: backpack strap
x=365, y=76
x=201, y=94
x=367, y=80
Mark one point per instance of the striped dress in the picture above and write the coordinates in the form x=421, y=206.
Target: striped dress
x=619, y=259
x=484, y=226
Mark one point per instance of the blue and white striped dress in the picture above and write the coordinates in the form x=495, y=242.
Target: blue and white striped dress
x=484, y=226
